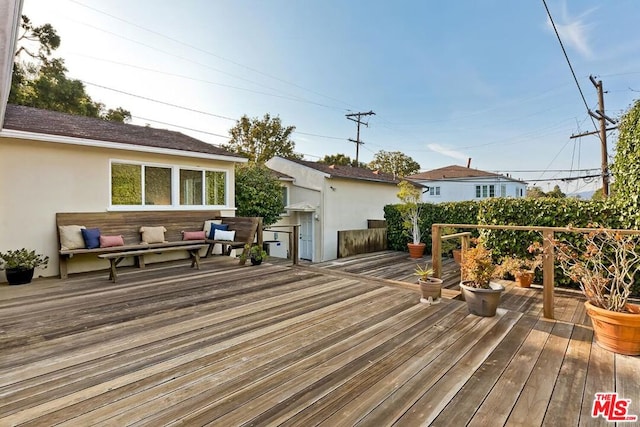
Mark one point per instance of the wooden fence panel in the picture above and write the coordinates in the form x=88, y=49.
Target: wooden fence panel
x=354, y=242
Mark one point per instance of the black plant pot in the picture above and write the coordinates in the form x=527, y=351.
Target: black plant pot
x=18, y=276
x=256, y=261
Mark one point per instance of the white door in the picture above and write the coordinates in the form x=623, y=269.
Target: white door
x=306, y=236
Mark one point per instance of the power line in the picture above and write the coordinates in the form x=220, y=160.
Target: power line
x=564, y=51
x=209, y=53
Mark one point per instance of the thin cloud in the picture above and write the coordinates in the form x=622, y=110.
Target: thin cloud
x=574, y=32
x=447, y=152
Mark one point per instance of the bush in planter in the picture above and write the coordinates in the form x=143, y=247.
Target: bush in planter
x=20, y=264
x=253, y=252
x=478, y=269
x=606, y=266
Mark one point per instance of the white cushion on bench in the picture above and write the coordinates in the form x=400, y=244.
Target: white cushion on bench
x=224, y=235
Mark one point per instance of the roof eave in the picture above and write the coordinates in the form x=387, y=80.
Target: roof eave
x=18, y=134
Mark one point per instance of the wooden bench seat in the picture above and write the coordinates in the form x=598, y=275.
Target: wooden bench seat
x=128, y=223
x=116, y=257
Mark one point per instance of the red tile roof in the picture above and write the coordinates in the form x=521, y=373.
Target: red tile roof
x=28, y=119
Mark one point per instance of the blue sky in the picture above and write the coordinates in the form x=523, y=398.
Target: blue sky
x=447, y=80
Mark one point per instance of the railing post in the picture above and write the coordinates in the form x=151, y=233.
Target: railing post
x=548, y=273
x=465, y=244
x=296, y=243
x=436, y=250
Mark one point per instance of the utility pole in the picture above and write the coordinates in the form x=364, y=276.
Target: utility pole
x=355, y=117
x=603, y=119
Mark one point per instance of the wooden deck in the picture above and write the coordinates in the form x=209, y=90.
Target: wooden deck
x=278, y=345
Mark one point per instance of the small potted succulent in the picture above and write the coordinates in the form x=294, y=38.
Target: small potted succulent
x=482, y=295
x=430, y=287
x=20, y=265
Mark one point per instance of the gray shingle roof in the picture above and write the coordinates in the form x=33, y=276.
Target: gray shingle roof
x=349, y=172
x=28, y=119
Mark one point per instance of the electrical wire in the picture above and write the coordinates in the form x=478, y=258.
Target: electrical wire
x=564, y=51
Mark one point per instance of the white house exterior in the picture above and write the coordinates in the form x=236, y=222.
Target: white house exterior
x=324, y=199
x=458, y=183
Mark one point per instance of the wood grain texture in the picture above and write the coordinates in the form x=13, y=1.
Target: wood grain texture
x=282, y=345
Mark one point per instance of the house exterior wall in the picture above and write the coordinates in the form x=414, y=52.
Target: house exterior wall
x=39, y=179
x=349, y=206
x=457, y=191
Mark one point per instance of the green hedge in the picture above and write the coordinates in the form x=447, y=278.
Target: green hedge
x=548, y=212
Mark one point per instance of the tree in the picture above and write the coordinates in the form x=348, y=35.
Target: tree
x=556, y=193
x=341, y=160
x=258, y=193
x=43, y=83
x=535, y=193
x=626, y=166
x=394, y=162
x=261, y=139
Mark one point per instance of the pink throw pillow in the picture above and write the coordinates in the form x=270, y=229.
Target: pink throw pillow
x=193, y=235
x=110, y=241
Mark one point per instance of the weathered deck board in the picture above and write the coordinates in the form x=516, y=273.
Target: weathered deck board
x=276, y=345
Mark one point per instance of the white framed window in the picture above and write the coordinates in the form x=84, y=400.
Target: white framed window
x=285, y=200
x=434, y=191
x=484, y=191
x=503, y=190
x=156, y=186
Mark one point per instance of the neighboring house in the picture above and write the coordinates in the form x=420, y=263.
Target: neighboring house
x=53, y=162
x=458, y=183
x=325, y=199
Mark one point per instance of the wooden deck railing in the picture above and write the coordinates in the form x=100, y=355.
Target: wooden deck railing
x=548, y=258
x=294, y=237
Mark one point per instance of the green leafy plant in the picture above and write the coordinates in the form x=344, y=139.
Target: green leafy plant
x=258, y=193
x=254, y=252
x=22, y=259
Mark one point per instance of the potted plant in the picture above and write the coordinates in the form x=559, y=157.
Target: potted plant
x=521, y=269
x=430, y=287
x=482, y=295
x=255, y=253
x=20, y=265
x=409, y=195
x=605, y=264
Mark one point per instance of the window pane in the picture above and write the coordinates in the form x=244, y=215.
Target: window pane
x=157, y=186
x=126, y=184
x=484, y=191
x=437, y=191
x=216, y=184
x=477, y=191
x=432, y=191
x=190, y=187
x=503, y=191
x=492, y=191
x=285, y=198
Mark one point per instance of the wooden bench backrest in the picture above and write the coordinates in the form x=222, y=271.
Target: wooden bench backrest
x=128, y=223
x=245, y=227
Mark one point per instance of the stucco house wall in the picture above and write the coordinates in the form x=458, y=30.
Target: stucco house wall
x=339, y=199
x=39, y=179
x=459, y=191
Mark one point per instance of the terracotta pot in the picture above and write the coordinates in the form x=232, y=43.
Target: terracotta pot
x=614, y=331
x=430, y=288
x=457, y=256
x=482, y=302
x=416, y=250
x=524, y=279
